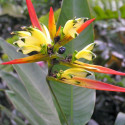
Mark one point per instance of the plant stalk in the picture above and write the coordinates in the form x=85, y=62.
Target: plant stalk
x=57, y=102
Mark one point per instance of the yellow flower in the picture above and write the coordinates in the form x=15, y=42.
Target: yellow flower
x=70, y=73
x=39, y=39
x=71, y=27
x=32, y=40
x=86, y=52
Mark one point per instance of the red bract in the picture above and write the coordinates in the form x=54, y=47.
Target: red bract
x=33, y=16
x=96, y=68
x=93, y=84
x=51, y=24
x=84, y=25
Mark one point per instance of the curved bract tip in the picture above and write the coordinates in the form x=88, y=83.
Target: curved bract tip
x=98, y=85
x=51, y=24
x=97, y=68
x=84, y=25
x=33, y=16
x=30, y=59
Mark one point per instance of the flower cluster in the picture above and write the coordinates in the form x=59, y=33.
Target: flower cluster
x=47, y=44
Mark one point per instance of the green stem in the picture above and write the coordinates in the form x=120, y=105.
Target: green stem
x=57, y=102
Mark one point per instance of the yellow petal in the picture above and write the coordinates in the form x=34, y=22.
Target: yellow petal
x=20, y=43
x=68, y=26
x=71, y=27
x=90, y=47
x=30, y=48
x=73, y=33
x=38, y=35
x=27, y=48
x=69, y=73
x=30, y=40
x=29, y=44
x=46, y=32
x=85, y=54
x=23, y=33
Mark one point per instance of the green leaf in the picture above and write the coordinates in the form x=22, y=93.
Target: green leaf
x=100, y=12
x=111, y=14
x=12, y=10
x=122, y=10
x=120, y=120
x=77, y=103
x=34, y=80
x=12, y=116
x=105, y=9
x=12, y=39
x=21, y=99
x=19, y=103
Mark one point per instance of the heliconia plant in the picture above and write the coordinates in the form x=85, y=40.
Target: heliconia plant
x=47, y=44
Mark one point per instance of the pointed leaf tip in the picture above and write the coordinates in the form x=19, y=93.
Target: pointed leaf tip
x=98, y=85
x=84, y=25
x=33, y=16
